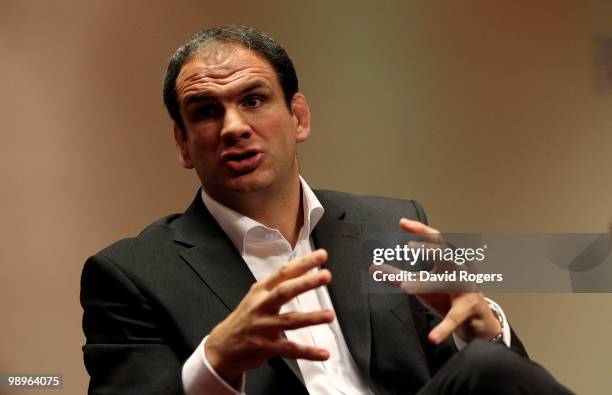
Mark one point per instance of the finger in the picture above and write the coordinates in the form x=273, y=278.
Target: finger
x=289, y=289
x=440, y=255
x=429, y=252
x=424, y=232
x=288, y=349
x=460, y=311
x=437, y=303
x=296, y=268
x=295, y=320
x=415, y=245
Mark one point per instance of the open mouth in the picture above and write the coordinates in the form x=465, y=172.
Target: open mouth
x=242, y=162
x=239, y=156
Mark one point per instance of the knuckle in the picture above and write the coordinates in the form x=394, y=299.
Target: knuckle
x=452, y=320
x=324, y=274
x=474, y=302
x=291, y=347
x=310, y=281
x=281, y=293
x=258, y=324
x=252, y=311
x=472, y=309
x=284, y=271
x=255, y=342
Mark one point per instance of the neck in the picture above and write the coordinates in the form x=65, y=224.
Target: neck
x=280, y=209
x=283, y=212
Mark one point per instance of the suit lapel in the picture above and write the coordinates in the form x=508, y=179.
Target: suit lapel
x=342, y=240
x=212, y=255
x=215, y=260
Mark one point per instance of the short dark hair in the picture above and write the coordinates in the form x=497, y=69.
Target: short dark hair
x=245, y=36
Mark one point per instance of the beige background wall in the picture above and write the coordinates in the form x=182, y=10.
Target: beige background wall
x=487, y=112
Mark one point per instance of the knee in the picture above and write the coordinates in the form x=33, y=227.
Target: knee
x=494, y=368
x=491, y=361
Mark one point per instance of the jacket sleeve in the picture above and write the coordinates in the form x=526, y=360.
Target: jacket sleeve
x=125, y=351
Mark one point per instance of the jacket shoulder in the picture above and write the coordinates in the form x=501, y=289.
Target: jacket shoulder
x=153, y=239
x=374, y=207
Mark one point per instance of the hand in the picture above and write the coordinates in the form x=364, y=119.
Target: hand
x=466, y=314
x=253, y=332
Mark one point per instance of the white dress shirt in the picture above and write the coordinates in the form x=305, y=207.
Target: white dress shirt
x=265, y=250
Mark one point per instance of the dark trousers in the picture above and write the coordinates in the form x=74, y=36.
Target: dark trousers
x=491, y=368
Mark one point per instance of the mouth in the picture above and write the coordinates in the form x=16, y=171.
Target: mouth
x=242, y=162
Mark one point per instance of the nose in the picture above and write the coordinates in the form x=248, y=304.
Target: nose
x=235, y=127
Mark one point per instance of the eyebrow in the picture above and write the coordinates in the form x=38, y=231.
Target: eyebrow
x=254, y=85
x=196, y=97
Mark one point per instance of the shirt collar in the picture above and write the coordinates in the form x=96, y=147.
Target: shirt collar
x=236, y=225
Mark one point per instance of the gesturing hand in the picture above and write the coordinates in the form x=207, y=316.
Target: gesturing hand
x=253, y=332
x=466, y=314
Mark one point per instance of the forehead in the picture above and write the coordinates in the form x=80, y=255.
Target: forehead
x=223, y=67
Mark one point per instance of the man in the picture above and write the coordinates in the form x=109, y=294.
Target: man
x=237, y=294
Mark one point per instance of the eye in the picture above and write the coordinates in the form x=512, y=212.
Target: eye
x=253, y=101
x=208, y=111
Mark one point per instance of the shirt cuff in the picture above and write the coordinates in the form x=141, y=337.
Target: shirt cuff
x=460, y=343
x=199, y=378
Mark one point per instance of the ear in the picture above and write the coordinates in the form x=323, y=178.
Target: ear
x=301, y=117
x=180, y=138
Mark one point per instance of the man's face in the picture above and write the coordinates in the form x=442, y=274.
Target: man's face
x=239, y=134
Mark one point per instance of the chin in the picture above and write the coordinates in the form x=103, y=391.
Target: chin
x=248, y=183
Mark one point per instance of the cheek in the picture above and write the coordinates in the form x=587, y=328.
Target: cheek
x=203, y=149
x=205, y=138
x=281, y=131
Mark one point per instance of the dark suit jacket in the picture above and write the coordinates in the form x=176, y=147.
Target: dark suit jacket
x=148, y=301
